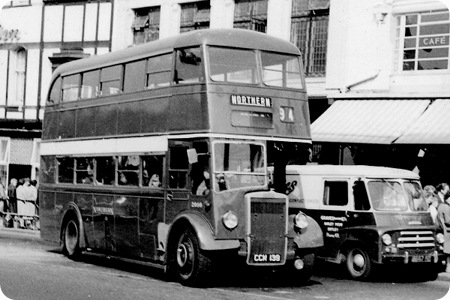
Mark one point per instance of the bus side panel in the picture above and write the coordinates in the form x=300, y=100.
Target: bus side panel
x=183, y=106
x=106, y=122
x=154, y=117
x=50, y=125
x=49, y=219
x=126, y=239
x=129, y=117
x=67, y=124
x=85, y=121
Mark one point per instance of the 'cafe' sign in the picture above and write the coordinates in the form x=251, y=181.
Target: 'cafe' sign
x=9, y=35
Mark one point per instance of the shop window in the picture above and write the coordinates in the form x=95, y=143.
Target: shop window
x=146, y=25
x=335, y=193
x=309, y=32
x=195, y=16
x=159, y=70
x=423, y=41
x=16, y=91
x=251, y=15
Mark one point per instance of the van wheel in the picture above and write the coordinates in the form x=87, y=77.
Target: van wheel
x=358, y=263
x=305, y=274
x=71, y=239
x=188, y=262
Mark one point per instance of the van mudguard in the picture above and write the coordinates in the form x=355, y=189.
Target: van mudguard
x=309, y=237
x=204, y=232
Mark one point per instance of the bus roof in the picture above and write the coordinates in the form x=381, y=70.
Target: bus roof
x=239, y=38
x=353, y=170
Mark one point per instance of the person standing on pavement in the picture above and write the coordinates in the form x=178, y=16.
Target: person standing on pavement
x=444, y=222
x=442, y=190
x=3, y=198
x=12, y=195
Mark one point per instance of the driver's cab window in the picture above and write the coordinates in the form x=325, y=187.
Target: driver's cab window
x=335, y=193
x=178, y=167
x=200, y=175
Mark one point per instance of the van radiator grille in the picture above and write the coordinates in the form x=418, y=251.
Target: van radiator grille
x=267, y=236
x=416, y=239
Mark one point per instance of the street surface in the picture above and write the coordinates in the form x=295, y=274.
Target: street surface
x=32, y=269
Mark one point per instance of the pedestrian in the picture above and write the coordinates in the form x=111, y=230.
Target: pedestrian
x=432, y=200
x=442, y=189
x=3, y=199
x=12, y=195
x=444, y=222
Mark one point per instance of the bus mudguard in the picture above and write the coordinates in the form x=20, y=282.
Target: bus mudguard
x=73, y=209
x=204, y=232
x=309, y=237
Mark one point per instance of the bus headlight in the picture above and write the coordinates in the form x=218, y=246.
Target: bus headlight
x=386, y=238
x=301, y=221
x=230, y=220
x=440, y=238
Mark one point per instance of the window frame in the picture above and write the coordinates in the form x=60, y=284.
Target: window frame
x=401, y=27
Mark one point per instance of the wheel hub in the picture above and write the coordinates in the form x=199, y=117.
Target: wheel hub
x=359, y=261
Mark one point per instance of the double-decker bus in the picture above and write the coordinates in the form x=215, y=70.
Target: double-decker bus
x=159, y=154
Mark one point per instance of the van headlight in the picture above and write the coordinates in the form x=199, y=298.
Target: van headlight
x=387, y=239
x=230, y=220
x=440, y=238
x=300, y=220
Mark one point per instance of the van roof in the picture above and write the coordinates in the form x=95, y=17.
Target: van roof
x=353, y=170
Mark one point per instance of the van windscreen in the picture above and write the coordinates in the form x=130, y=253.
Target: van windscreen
x=387, y=195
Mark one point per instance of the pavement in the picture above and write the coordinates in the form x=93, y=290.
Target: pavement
x=29, y=234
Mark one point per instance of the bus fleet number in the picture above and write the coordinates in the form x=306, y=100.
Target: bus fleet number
x=287, y=114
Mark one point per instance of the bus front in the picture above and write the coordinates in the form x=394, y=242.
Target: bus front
x=259, y=118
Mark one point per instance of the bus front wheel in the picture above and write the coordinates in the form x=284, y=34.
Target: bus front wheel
x=189, y=264
x=71, y=238
x=358, y=264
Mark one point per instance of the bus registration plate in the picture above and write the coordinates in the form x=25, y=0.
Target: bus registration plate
x=421, y=258
x=266, y=258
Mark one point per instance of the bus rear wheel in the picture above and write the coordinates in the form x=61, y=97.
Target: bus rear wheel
x=358, y=264
x=71, y=238
x=189, y=263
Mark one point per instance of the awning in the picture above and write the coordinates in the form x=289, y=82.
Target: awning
x=433, y=127
x=367, y=121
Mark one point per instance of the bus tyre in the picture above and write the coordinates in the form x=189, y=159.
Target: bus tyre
x=71, y=238
x=358, y=264
x=189, y=264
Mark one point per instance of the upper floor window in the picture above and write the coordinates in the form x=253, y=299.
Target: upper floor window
x=309, y=32
x=251, y=14
x=146, y=25
x=195, y=16
x=16, y=89
x=423, y=41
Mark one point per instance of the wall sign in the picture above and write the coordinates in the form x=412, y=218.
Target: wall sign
x=9, y=35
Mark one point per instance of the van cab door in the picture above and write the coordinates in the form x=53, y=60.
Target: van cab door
x=334, y=218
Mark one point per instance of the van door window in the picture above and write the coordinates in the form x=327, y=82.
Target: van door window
x=360, y=196
x=335, y=193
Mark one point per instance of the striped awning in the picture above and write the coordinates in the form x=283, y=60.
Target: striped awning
x=367, y=121
x=433, y=126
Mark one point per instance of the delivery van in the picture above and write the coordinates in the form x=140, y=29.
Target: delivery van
x=369, y=216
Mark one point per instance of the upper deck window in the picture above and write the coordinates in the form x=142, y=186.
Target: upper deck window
x=159, y=71
x=189, y=66
x=55, y=91
x=233, y=65
x=281, y=70
x=70, y=88
x=90, y=84
x=111, y=80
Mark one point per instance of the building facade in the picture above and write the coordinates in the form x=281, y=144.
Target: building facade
x=35, y=37
x=388, y=75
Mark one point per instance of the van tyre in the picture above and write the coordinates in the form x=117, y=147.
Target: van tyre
x=305, y=274
x=71, y=239
x=358, y=263
x=188, y=263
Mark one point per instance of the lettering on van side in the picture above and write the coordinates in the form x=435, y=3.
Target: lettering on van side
x=251, y=101
x=332, y=225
